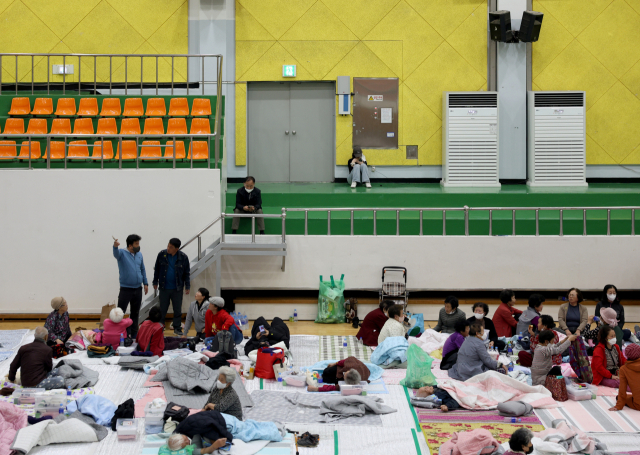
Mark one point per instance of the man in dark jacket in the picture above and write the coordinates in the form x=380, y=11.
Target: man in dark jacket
x=271, y=334
x=172, y=273
x=210, y=425
x=248, y=200
x=34, y=360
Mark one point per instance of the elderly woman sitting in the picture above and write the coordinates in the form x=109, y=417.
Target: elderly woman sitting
x=177, y=442
x=57, y=322
x=473, y=358
x=114, y=326
x=223, y=398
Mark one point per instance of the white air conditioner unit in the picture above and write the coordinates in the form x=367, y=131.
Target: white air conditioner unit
x=556, y=139
x=470, y=139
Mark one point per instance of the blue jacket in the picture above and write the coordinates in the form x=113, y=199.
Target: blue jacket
x=132, y=271
x=183, y=270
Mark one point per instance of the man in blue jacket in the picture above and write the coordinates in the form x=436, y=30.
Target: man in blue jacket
x=172, y=273
x=132, y=276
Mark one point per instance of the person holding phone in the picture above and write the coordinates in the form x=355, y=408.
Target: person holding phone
x=264, y=334
x=358, y=171
x=248, y=200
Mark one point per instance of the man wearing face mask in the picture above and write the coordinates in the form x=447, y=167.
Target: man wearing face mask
x=520, y=442
x=248, y=200
x=223, y=398
x=132, y=276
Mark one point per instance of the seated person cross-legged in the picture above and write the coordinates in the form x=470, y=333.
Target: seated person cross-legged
x=223, y=398
x=480, y=312
x=629, y=379
x=151, y=333
x=264, y=334
x=35, y=362
x=506, y=316
x=396, y=325
x=543, y=356
x=573, y=316
x=57, y=323
x=537, y=326
x=449, y=315
x=473, y=358
x=373, y=323
x=453, y=343
x=248, y=200
x=351, y=370
x=217, y=319
x=607, y=359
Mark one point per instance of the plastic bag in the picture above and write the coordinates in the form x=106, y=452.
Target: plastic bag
x=418, y=369
x=331, y=301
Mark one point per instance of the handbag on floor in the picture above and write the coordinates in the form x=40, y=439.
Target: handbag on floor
x=175, y=412
x=267, y=358
x=579, y=360
x=558, y=388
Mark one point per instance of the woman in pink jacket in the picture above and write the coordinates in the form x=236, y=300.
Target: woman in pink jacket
x=114, y=326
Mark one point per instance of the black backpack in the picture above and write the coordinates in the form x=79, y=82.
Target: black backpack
x=223, y=343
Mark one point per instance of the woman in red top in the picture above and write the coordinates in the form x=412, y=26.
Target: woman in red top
x=503, y=318
x=217, y=319
x=151, y=334
x=607, y=359
x=372, y=324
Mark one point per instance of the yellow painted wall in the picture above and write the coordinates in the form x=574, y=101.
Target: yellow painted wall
x=594, y=45
x=94, y=27
x=430, y=45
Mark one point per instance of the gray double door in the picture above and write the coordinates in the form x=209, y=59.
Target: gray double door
x=291, y=131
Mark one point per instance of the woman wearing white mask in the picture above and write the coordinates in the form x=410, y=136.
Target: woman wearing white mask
x=611, y=299
x=223, y=398
x=607, y=359
x=480, y=312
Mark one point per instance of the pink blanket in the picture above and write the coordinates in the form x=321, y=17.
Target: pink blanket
x=486, y=390
x=12, y=419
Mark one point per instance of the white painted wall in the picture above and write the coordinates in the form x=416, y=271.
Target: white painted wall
x=56, y=228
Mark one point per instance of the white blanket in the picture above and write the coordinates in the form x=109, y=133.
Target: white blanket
x=49, y=432
x=430, y=340
x=486, y=390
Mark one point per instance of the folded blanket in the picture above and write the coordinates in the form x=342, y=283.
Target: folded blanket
x=50, y=432
x=136, y=362
x=96, y=406
x=486, y=390
x=392, y=348
x=187, y=375
x=569, y=437
x=430, y=340
x=337, y=408
x=75, y=374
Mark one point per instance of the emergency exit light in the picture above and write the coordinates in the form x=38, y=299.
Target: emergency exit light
x=288, y=70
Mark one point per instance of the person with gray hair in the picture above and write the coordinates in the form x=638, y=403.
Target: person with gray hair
x=352, y=377
x=35, y=362
x=223, y=398
x=177, y=442
x=217, y=319
x=520, y=441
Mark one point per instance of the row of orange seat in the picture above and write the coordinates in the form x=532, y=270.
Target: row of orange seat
x=107, y=125
x=178, y=107
x=150, y=150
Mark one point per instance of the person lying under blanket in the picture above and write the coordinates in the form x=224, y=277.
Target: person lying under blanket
x=336, y=372
x=433, y=394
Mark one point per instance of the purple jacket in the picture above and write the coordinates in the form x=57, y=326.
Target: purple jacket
x=453, y=342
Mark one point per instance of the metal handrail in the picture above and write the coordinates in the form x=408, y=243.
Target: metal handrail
x=466, y=210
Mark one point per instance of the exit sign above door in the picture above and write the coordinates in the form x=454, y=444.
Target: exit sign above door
x=288, y=70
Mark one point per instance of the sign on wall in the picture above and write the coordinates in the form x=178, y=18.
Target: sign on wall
x=288, y=70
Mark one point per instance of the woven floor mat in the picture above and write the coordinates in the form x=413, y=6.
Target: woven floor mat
x=332, y=348
x=119, y=384
x=305, y=349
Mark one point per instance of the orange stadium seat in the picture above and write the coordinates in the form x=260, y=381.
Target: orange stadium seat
x=20, y=106
x=200, y=126
x=129, y=150
x=200, y=150
x=111, y=107
x=151, y=152
x=35, y=150
x=130, y=126
x=180, y=152
x=88, y=107
x=57, y=150
x=133, y=107
x=14, y=126
x=108, y=126
x=97, y=150
x=42, y=106
x=153, y=126
x=66, y=106
x=61, y=126
x=78, y=149
x=177, y=126
x=156, y=107
x=37, y=126
x=6, y=151
x=178, y=107
x=83, y=126
x=201, y=107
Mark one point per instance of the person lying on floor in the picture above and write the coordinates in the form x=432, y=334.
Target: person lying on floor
x=179, y=444
x=448, y=403
x=338, y=371
x=395, y=326
x=473, y=358
x=265, y=335
x=543, y=355
x=223, y=398
x=539, y=324
x=373, y=323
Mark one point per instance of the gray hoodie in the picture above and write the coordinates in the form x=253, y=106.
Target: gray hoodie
x=196, y=316
x=525, y=321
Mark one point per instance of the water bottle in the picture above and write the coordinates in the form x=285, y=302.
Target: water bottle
x=279, y=380
x=61, y=410
x=512, y=420
x=509, y=350
x=596, y=319
x=122, y=339
x=295, y=315
x=68, y=394
x=511, y=366
x=344, y=342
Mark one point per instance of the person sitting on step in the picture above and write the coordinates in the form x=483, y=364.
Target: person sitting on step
x=248, y=200
x=357, y=167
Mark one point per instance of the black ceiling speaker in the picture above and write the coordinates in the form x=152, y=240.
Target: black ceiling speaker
x=500, y=26
x=530, y=27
